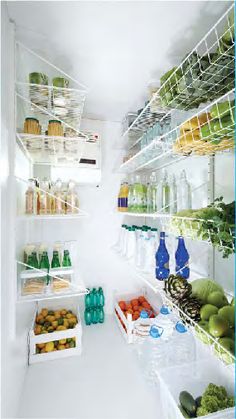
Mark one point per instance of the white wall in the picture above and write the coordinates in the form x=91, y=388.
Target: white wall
x=14, y=319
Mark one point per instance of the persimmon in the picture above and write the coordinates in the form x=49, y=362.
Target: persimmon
x=135, y=316
x=134, y=302
x=141, y=299
x=122, y=305
x=129, y=307
x=146, y=305
x=136, y=308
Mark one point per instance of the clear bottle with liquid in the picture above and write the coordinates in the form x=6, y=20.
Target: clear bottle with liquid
x=183, y=193
x=43, y=198
x=138, y=195
x=59, y=197
x=130, y=194
x=30, y=198
x=165, y=193
x=173, y=195
x=151, y=194
x=71, y=199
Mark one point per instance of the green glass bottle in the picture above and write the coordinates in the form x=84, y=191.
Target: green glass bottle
x=44, y=264
x=35, y=260
x=30, y=262
x=55, y=260
x=94, y=299
x=66, y=259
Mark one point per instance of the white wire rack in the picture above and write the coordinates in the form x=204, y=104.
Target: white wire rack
x=206, y=133
x=212, y=343
x=52, y=150
x=68, y=211
x=64, y=104
x=204, y=75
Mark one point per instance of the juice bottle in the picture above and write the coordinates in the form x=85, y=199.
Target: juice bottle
x=30, y=198
x=124, y=197
x=59, y=204
x=48, y=196
x=130, y=194
x=71, y=199
x=43, y=198
x=137, y=195
x=119, y=207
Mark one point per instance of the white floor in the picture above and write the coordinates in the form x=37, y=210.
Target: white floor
x=105, y=382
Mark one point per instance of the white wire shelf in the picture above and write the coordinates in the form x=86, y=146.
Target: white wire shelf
x=33, y=284
x=52, y=217
x=207, y=132
x=60, y=103
x=52, y=150
x=213, y=345
x=205, y=74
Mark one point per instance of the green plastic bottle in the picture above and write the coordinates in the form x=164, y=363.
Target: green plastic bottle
x=87, y=316
x=87, y=299
x=95, y=315
x=100, y=297
x=94, y=298
x=101, y=315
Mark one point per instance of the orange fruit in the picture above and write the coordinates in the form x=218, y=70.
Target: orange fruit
x=122, y=305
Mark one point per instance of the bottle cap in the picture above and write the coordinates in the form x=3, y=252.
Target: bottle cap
x=143, y=314
x=162, y=234
x=164, y=310
x=180, y=327
x=156, y=331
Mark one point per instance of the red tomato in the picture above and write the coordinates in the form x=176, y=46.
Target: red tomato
x=122, y=305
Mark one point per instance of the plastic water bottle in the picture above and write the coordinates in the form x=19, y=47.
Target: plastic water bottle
x=88, y=316
x=182, y=259
x=100, y=297
x=94, y=298
x=162, y=259
x=131, y=244
x=87, y=299
x=142, y=327
x=151, y=194
x=166, y=322
x=182, y=349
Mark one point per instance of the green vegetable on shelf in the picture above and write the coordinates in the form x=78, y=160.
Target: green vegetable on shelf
x=38, y=78
x=214, y=398
x=222, y=109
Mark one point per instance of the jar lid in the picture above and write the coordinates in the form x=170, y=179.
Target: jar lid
x=54, y=120
x=29, y=118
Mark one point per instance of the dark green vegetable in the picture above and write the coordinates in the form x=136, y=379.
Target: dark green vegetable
x=214, y=398
x=198, y=401
x=183, y=411
x=187, y=402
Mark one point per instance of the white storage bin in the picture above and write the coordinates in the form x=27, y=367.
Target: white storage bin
x=128, y=329
x=194, y=378
x=76, y=333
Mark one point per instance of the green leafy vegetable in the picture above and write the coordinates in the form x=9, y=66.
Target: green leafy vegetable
x=213, y=399
x=215, y=223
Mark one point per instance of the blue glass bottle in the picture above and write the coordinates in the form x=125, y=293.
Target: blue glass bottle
x=162, y=259
x=182, y=259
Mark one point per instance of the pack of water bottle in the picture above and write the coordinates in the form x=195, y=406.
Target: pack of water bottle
x=168, y=343
x=94, y=306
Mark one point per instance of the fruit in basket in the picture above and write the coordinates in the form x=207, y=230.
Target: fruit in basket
x=202, y=287
x=141, y=299
x=177, y=287
x=229, y=345
x=191, y=307
x=200, y=333
x=207, y=311
x=49, y=346
x=44, y=312
x=218, y=326
x=122, y=305
x=228, y=313
x=188, y=403
x=134, y=302
x=217, y=298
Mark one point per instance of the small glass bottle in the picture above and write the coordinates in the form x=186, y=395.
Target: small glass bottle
x=183, y=193
x=165, y=192
x=30, y=198
x=173, y=195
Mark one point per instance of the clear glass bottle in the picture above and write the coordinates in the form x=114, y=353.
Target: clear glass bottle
x=30, y=198
x=43, y=198
x=165, y=193
x=183, y=193
x=151, y=194
x=173, y=195
x=71, y=199
x=59, y=204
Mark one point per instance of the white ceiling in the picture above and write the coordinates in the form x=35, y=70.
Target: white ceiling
x=115, y=48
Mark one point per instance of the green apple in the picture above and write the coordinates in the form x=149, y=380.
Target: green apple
x=232, y=302
x=231, y=333
x=229, y=345
x=228, y=313
x=218, y=299
x=218, y=326
x=200, y=334
x=207, y=311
